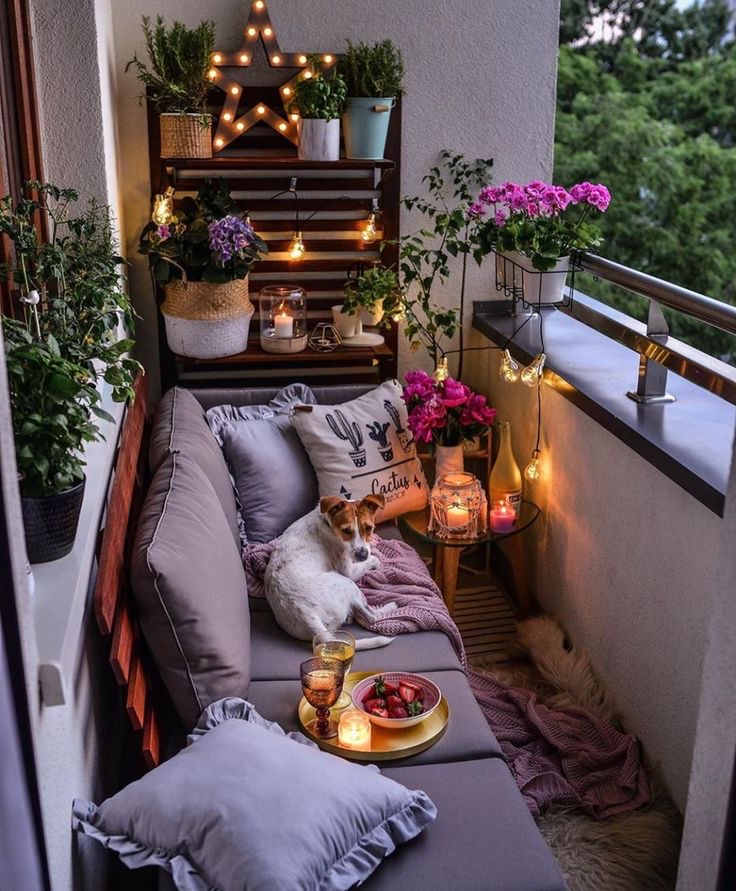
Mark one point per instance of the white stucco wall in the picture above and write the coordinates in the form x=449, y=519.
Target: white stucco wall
x=625, y=558
x=480, y=79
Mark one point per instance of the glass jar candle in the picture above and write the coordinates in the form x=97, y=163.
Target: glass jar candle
x=283, y=313
x=458, y=507
x=354, y=731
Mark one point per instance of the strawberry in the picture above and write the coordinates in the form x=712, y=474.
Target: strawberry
x=394, y=702
x=391, y=689
x=399, y=712
x=380, y=712
x=416, y=688
x=376, y=702
x=370, y=693
x=407, y=693
x=414, y=708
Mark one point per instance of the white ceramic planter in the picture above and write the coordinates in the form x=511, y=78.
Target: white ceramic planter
x=208, y=338
x=373, y=317
x=543, y=288
x=345, y=324
x=319, y=140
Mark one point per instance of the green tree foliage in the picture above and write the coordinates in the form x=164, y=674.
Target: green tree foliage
x=649, y=111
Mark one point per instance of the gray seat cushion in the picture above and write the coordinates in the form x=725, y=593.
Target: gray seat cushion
x=189, y=586
x=276, y=656
x=389, y=530
x=483, y=838
x=180, y=426
x=468, y=735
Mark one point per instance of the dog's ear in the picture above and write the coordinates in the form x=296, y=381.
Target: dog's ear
x=374, y=502
x=331, y=504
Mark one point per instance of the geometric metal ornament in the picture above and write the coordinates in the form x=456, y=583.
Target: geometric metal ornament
x=230, y=124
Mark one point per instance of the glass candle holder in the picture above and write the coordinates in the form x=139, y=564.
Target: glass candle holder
x=354, y=731
x=458, y=507
x=502, y=516
x=283, y=312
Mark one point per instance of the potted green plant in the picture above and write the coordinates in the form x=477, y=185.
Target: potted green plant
x=201, y=256
x=373, y=76
x=176, y=82
x=319, y=99
x=370, y=299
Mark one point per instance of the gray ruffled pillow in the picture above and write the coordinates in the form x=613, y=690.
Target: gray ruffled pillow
x=247, y=806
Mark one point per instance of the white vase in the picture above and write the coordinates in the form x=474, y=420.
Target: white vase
x=319, y=140
x=543, y=288
x=448, y=459
x=344, y=322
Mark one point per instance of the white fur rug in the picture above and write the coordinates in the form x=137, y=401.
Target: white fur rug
x=637, y=851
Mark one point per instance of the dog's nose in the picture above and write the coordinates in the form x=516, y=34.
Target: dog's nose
x=361, y=554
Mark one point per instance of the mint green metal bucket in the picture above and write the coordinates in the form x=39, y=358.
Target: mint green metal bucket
x=365, y=126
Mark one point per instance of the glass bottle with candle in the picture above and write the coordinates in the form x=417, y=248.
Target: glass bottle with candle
x=504, y=483
x=283, y=311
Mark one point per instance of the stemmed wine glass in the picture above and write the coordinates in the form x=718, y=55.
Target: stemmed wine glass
x=322, y=681
x=336, y=645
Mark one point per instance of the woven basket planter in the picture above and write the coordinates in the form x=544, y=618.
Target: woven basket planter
x=183, y=136
x=207, y=321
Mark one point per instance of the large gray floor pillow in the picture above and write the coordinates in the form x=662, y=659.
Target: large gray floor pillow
x=190, y=589
x=180, y=426
x=364, y=447
x=247, y=807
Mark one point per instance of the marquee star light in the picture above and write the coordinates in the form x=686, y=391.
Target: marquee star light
x=231, y=124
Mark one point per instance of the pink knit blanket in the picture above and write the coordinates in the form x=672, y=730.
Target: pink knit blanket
x=556, y=756
x=402, y=578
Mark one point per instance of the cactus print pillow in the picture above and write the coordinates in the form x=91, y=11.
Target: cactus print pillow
x=364, y=447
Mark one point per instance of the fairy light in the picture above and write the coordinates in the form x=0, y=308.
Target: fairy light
x=261, y=109
x=259, y=4
x=533, y=470
x=276, y=60
x=252, y=32
x=240, y=126
x=267, y=32
x=219, y=142
x=282, y=126
x=328, y=58
x=294, y=116
x=509, y=370
x=212, y=73
x=163, y=208
x=217, y=58
x=227, y=116
x=244, y=58
x=235, y=90
x=441, y=372
x=286, y=91
x=302, y=60
x=369, y=233
x=534, y=371
x=296, y=247
x=307, y=75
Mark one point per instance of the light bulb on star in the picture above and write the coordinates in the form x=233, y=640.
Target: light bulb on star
x=509, y=369
x=369, y=233
x=533, y=470
x=534, y=371
x=296, y=247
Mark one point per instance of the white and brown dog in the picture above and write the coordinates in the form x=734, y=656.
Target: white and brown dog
x=310, y=580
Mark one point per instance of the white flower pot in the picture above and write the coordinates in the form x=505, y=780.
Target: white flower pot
x=373, y=317
x=345, y=324
x=208, y=338
x=543, y=288
x=319, y=140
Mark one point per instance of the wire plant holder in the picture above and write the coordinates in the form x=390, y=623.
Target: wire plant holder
x=521, y=283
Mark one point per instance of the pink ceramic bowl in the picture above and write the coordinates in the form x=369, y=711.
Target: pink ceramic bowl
x=432, y=697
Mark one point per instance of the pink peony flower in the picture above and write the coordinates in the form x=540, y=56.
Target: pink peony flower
x=419, y=385
x=423, y=419
x=599, y=197
x=453, y=393
x=477, y=411
x=580, y=192
x=476, y=210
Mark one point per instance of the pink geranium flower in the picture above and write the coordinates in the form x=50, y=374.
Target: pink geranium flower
x=599, y=197
x=491, y=194
x=580, y=192
x=535, y=189
x=555, y=199
x=500, y=218
x=476, y=210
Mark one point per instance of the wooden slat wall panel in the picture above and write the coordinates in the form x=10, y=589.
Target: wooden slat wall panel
x=135, y=703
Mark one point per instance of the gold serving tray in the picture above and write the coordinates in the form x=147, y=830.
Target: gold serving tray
x=386, y=745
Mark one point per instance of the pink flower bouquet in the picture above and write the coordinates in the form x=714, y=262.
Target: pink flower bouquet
x=540, y=220
x=448, y=413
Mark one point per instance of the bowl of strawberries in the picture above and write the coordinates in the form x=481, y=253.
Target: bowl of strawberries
x=396, y=699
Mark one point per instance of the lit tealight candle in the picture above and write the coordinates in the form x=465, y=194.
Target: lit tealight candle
x=503, y=517
x=354, y=731
x=457, y=516
x=283, y=325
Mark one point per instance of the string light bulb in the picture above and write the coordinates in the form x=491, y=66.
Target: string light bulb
x=219, y=142
x=369, y=233
x=533, y=470
x=163, y=208
x=235, y=90
x=244, y=57
x=276, y=60
x=302, y=60
x=217, y=58
x=509, y=370
x=441, y=372
x=259, y=4
x=534, y=371
x=252, y=32
x=286, y=91
x=261, y=109
x=328, y=59
x=267, y=32
x=296, y=247
x=212, y=73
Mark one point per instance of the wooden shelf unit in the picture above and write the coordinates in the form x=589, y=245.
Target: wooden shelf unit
x=257, y=166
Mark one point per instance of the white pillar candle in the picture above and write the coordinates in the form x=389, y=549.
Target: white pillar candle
x=354, y=731
x=283, y=325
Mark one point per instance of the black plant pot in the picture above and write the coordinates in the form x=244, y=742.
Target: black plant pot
x=50, y=523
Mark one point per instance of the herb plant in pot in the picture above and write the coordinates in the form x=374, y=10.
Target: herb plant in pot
x=370, y=299
x=373, y=76
x=201, y=256
x=319, y=100
x=176, y=83
x=534, y=229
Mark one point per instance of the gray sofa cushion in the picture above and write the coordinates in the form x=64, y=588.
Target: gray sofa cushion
x=280, y=402
x=483, y=838
x=467, y=736
x=180, y=425
x=246, y=807
x=275, y=481
x=189, y=584
x=276, y=656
